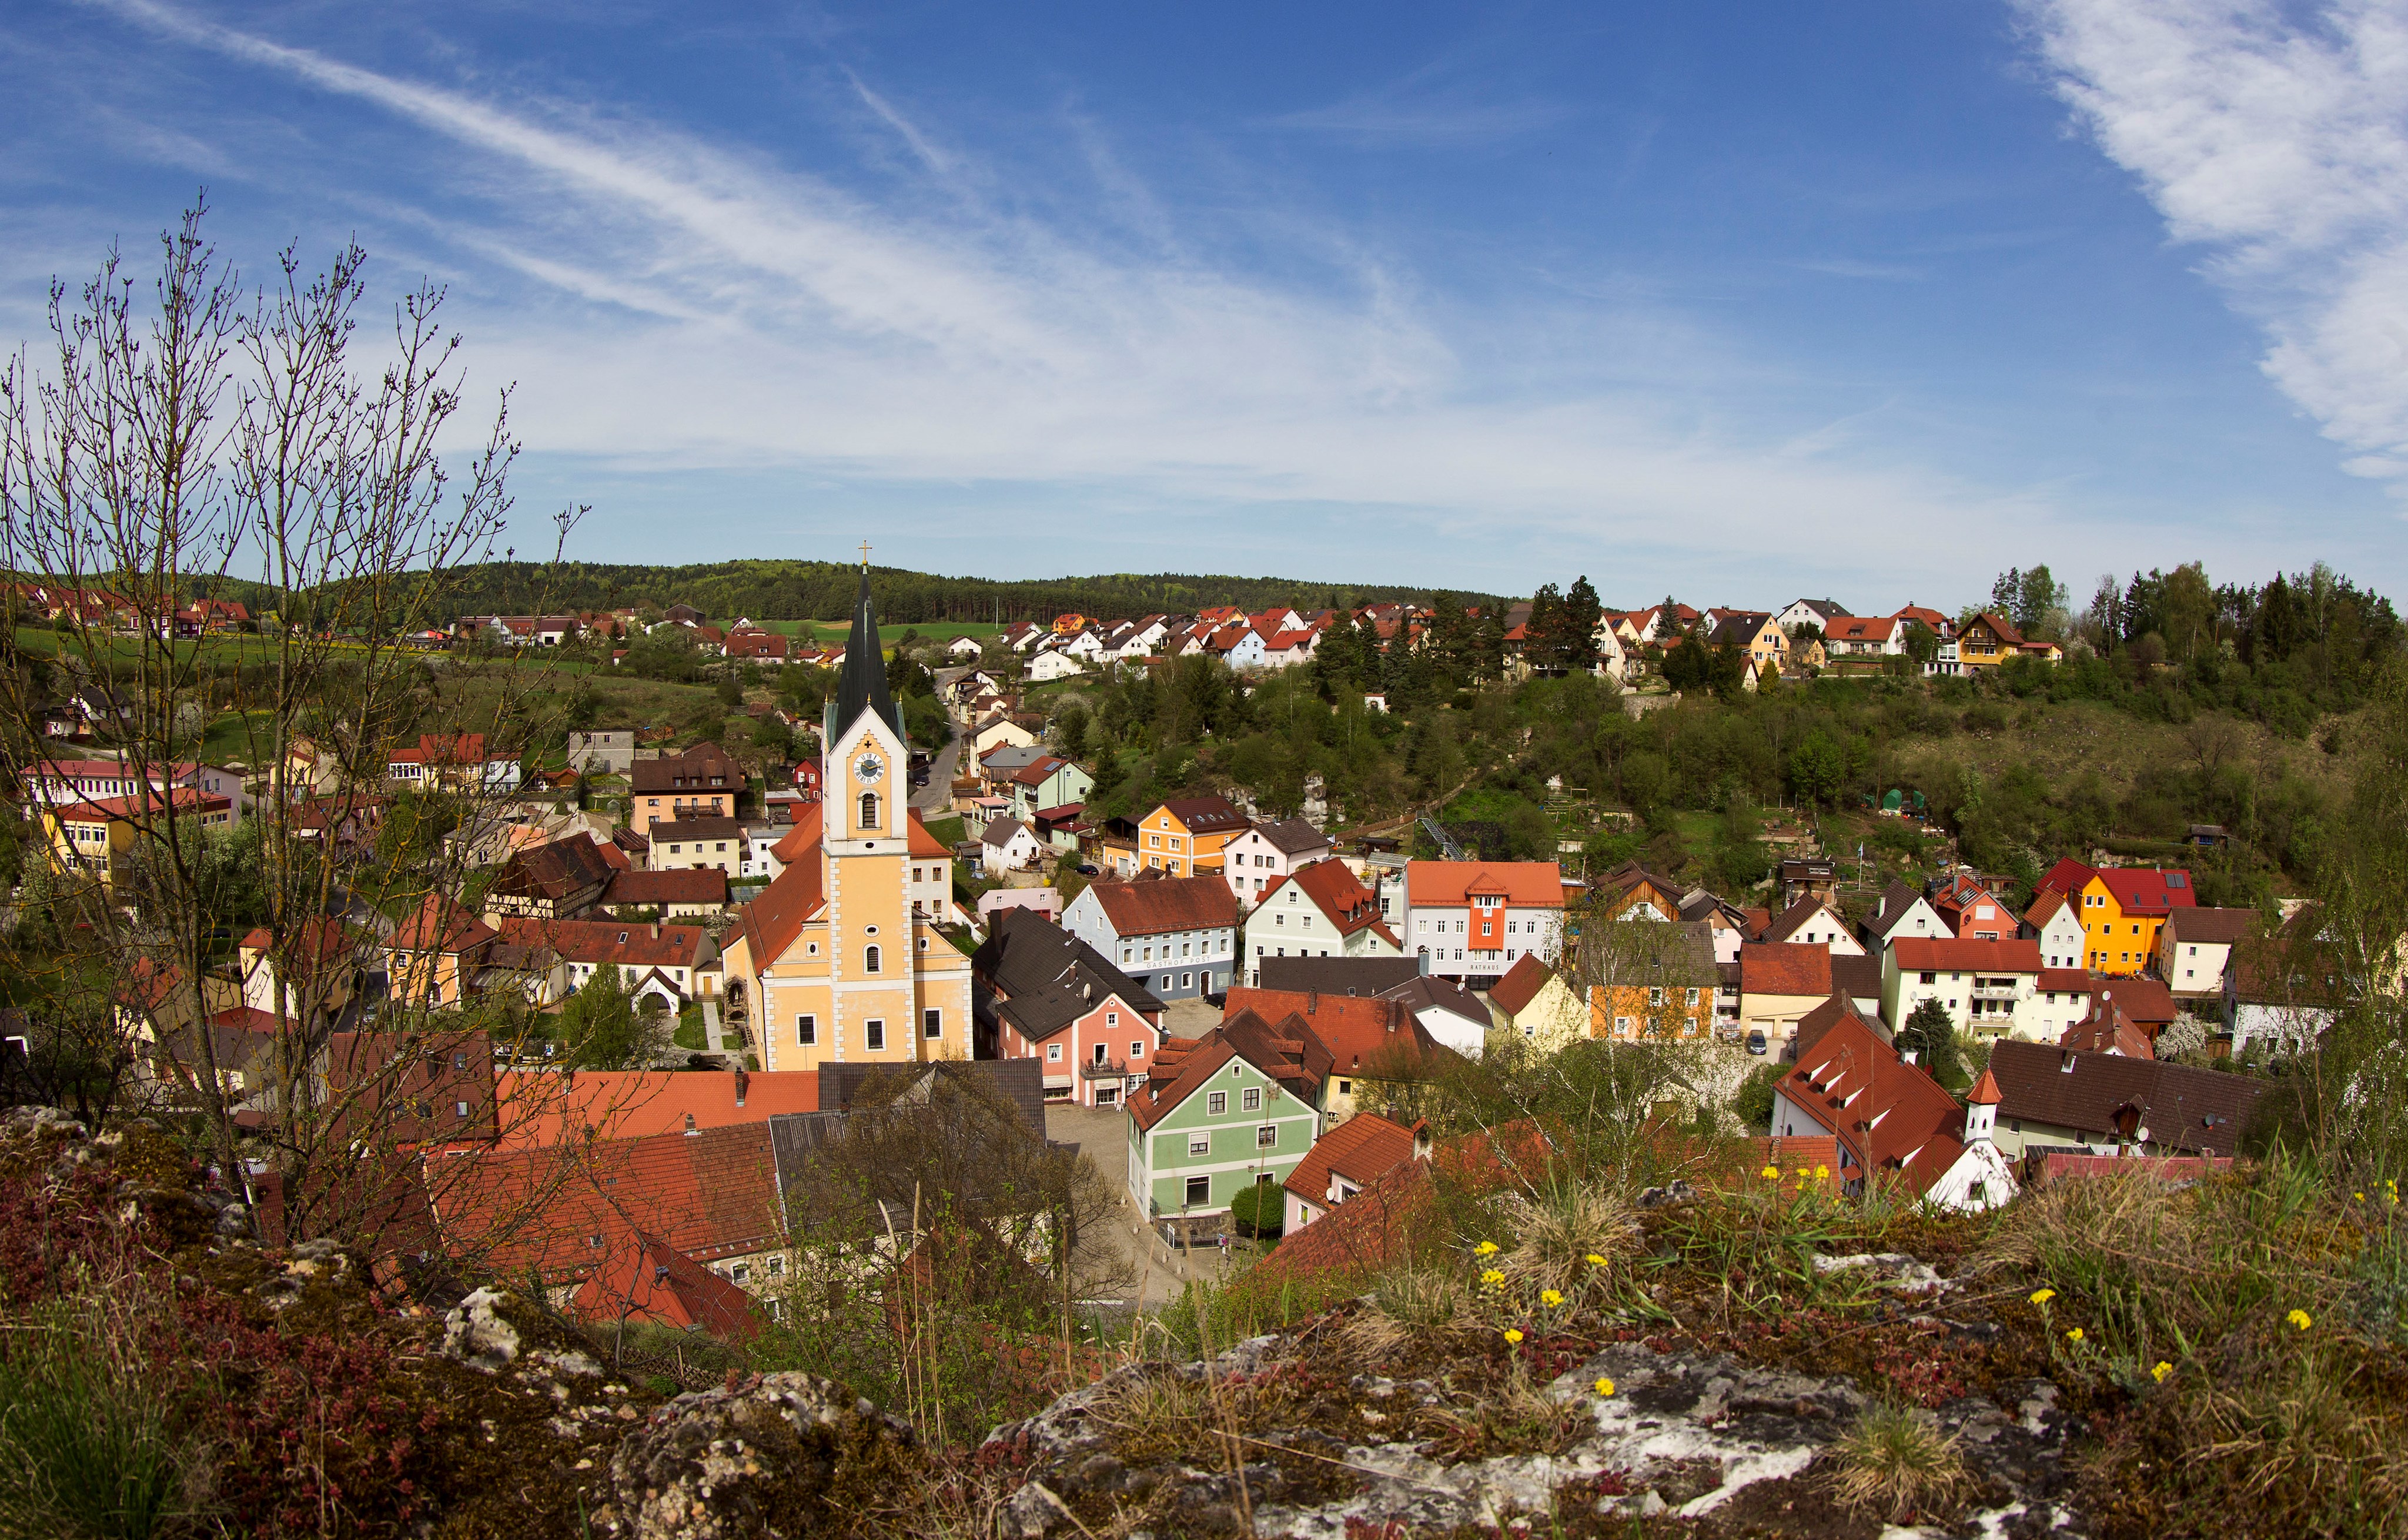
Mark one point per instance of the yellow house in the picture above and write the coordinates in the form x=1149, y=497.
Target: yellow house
x=1533, y=1002
x=95, y=838
x=2122, y=910
x=1757, y=635
x=839, y=959
x=1185, y=837
x=1987, y=641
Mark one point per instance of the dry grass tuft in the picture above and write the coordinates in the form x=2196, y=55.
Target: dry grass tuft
x=1406, y=1303
x=1896, y=1462
x=1557, y=1229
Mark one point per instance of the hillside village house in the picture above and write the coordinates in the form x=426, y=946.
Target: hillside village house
x=1007, y=844
x=97, y=838
x=1345, y=1161
x=1176, y=936
x=1475, y=919
x=701, y=782
x=1848, y=638
x=1754, y=635
x=1048, y=781
x=2056, y=924
x=1971, y=912
x=1230, y=1110
x=2056, y=1099
x=1186, y=836
x=553, y=882
x=1665, y=985
x=840, y=957
x=1812, y=922
x=1533, y=1001
x=1894, y=1123
x=1268, y=852
x=2195, y=949
x=431, y=958
x=1778, y=986
x=694, y=894
x=1987, y=987
x=1043, y=993
x=670, y=965
x=1352, y=1043
x=1323, y=910
x=696, y=841
x=456, y=762
x=2122, y=909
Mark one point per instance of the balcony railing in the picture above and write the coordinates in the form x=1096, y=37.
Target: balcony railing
x=1104, y=1070
x=1982, y=991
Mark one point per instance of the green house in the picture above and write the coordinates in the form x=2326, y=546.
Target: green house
x=1219, y=1114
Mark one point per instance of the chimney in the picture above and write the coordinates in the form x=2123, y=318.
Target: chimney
x=1312, y=1001
x=743, y=1082
x=656, y=931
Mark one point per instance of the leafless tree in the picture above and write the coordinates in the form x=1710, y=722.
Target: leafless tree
x=186, y=443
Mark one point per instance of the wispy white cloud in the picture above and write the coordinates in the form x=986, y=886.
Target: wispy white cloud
x=2277, y=139
x=1886, y=272
x=765, y=317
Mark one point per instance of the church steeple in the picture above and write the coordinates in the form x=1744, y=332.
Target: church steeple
x=863, y=685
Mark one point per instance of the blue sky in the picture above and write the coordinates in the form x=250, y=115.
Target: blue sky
x=1733, y=300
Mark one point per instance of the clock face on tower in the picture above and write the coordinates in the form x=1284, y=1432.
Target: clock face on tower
x=867, y=770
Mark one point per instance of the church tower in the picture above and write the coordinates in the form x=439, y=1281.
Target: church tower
x=866, y=838
x=845, y=952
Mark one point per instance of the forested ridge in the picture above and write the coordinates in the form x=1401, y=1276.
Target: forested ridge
x=821, y=590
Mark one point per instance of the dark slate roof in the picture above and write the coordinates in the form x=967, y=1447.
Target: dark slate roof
x=1292, y=835
x=1042, y=978
x=2186, y=1110
x=1858, y=978
x=1338, y=975
x=862, y=686
x=1021, y=1080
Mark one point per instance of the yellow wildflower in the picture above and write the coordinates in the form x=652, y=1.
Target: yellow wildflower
x=2358, y=1197
x=1596, y=1260
x=1549, y=1298
x=1604, y=1385
x=1801, y=1173
x=1486, y=1248
x=2042, y=1296
x=2162, y=1371
x=1772, y=1174
x=1492, y=1279
x=1822, y=1174
x=2300, y=1318
x=1512, y=1336
x=2073, y=1335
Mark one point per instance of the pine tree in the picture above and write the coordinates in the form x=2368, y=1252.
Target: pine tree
x=1576, y=620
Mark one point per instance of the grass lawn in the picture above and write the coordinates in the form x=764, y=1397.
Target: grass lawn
x=947, y=829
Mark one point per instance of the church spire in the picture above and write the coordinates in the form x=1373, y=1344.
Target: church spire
x=862, y=686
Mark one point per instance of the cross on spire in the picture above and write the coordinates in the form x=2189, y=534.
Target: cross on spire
x=865, y=556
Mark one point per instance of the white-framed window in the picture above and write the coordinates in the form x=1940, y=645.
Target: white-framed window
x=1052, y=1053
x=874, y=1036
x=1216, y=1103
x=932, y=1023
x=1254, y=1100
x=1199, y=1144
x=1137, y=1048
x=1267, y=1136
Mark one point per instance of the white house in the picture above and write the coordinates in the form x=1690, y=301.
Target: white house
x=1810, y=922
x=2195, y=947
x=1265, y=853
x=1904, y=912
x=2054, y=921
x=1176, y=936
x=1475, y=919
x=1007, y=844
x=1987, y=987
x=1322, y=910
x=1980, y=1177
x=963, y=647
x=1819, y=613
x=1053, y=664
x=1087, y=647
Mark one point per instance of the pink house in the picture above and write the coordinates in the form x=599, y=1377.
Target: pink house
x=1041, y=993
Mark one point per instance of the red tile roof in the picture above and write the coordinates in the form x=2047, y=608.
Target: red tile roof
x=1520, y=986
x=439, y=924
x=628, y=943
x=1168, y=903
x=558, y=1212
x=1778, y=968
x=1536, y=884
x=1358, y=1149
x=1889, y=1116
x=642, y=1277
x=2143, y=891
x=1339, y=894
x=555, y=1107
x=1353, y=1030
x=1949, y=955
